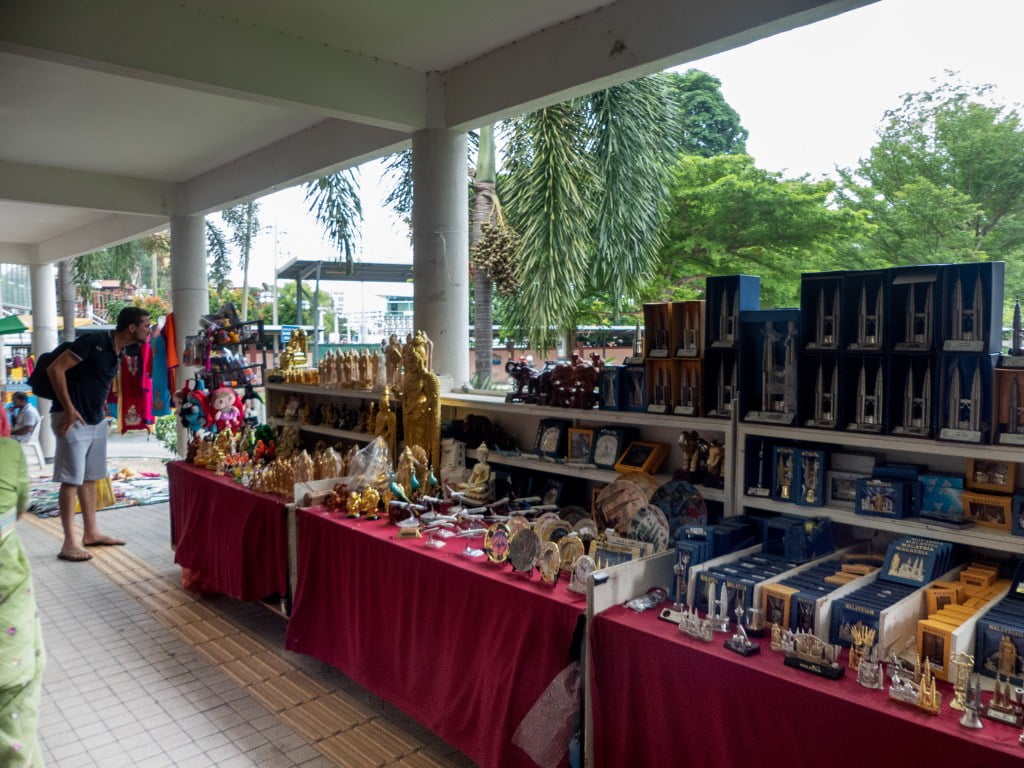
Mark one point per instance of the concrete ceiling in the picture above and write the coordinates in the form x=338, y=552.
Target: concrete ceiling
x=116, y=114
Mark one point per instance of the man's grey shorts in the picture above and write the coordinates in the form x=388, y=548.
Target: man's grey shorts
x=81, y=454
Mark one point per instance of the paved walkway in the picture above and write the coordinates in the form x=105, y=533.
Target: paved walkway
x=143, y=674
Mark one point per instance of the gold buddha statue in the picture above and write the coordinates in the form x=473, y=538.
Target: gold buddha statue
x=386, y=426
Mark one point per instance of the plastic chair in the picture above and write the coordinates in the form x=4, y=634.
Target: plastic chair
x=33, y=444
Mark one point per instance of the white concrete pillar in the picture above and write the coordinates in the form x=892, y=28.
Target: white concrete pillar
x=44, y=337
x=440, y=246
x=190, y=291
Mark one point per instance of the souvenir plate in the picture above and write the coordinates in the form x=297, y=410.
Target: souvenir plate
x=523, y=550
x=549, y=562
x=517, y=523
x=616, y=504
x=646, y=482
x=496, y=543
x=586, y=524
x=650, y=525
x=682, y=504
x=573, y=513
x=552, y=530
x=570, y=549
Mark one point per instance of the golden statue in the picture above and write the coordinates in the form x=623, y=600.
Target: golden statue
x=477, y=488
x=363, y=365
x=421, y=402
x=405, y=472
x=386, y=426
x=393, y=363
x=294, y=355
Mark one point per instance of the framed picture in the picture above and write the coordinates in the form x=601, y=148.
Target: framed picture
x=841, y=489
x=645, y=457
x=581, y=445
x=551, y=438
x=991, y=475
x=610, y=384
x=609, y=443
x=606, y=554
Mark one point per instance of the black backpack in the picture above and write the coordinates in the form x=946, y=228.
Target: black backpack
x=39, y=380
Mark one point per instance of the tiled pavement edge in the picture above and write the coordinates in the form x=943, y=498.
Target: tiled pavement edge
x=143, y=673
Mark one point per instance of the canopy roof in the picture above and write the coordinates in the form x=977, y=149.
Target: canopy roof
x=117, y=114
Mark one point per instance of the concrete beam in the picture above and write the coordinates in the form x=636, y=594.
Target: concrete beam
x=309, y=154
x=179, y=44
x=110, y=230
x=614, y=44
x=17, y=253
x=83, y=189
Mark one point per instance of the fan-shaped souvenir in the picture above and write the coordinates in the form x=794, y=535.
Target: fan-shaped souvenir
x=649, y=525
x=682, y=504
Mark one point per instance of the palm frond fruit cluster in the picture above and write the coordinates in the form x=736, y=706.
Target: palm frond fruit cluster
x=497, y=251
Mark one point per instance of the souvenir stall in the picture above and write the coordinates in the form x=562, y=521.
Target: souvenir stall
x=811, y=510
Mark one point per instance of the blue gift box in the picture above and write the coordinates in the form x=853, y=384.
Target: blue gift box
x=942, y=497
x=1018, y=514
x=881, y=498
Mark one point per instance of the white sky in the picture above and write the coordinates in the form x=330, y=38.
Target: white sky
x=811, y=98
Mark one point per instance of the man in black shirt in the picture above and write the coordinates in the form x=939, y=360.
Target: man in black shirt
x=81, y=378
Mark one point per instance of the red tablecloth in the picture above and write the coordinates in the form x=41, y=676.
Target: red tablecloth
x=235, y=538
x=662, y=699
x=463, y=646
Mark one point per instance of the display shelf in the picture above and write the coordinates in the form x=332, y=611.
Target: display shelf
x=498, y=405
x=884, y=442
x=987, y=538
x=345, y=434
x=586, y=473
x=314, y=389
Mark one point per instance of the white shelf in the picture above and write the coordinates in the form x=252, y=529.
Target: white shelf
x=346, y=434
x=573, y=470
x=875, y=442
x=315, y=389
x=498, y=404
x=986, y=538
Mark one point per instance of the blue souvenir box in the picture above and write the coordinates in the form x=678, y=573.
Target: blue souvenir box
x=965, y=397
x=1018, y=514
x=942, y=498
x=725, y=296
x=769, y=386
x=881, y=498
x=972, y=307
x=999, y=635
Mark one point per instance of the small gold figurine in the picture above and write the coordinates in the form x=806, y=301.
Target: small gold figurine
x=421, y=401
x=964, y=664
x=386, y=426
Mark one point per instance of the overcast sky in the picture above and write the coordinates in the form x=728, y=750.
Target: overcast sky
x=811, y=98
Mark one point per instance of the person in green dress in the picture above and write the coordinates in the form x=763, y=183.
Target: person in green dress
x=21, y=640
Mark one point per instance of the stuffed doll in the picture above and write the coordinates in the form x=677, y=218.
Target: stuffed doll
x=226, y=409
x=192, y=408
x=252, y=406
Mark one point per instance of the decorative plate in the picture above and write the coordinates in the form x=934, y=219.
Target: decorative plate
x=682, y=504
x=586, y=524
x=517, y=523
x=496, y=543
x=570, y=549
x=650, y=525
x=573, y=513
x=646, y=481
x=523, y=550
x=616, y=504
x=550, y=562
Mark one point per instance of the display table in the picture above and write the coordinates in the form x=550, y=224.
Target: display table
x=463, y=646
x=234, y=539
x=661, y=698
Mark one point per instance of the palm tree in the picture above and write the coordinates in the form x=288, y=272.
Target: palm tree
x=122, y=262
x=334, y=201
x=243, y=219
x=587, y=182
x=485, y=198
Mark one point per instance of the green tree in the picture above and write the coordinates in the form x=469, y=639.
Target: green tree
x=944, y=181
x=217, y=256
x=728, y=216
x=244, y=222
x=708, y=124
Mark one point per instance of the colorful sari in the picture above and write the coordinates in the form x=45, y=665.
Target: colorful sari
x=21, y=641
